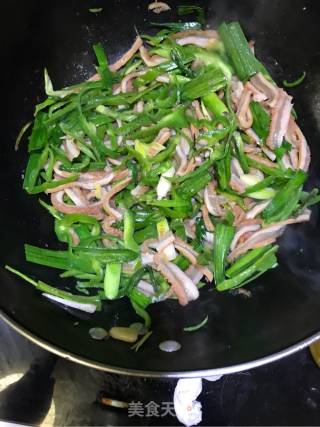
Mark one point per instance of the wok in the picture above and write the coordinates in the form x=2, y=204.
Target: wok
x=283, y=313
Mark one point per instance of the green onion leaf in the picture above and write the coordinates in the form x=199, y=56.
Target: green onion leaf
x=112, y=280
x=48, y=289
x=21, y=134
x=237, y=48
x=246, y=260
x=261, y=120
x=196, y=327
x=128, y=232
x=96, y=9
x=296, y=82
x=214, y=104
x=211, y=80
x=285, y=148
x=139, y=343
x=306, y=200
x=52, y=184
x=186, y=10
x=259, y=266
x=178, y=26
x=223, y=235
x=39, y=136
x=286, y=199
x=103, y=68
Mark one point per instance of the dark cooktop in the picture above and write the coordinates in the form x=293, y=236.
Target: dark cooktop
x=37, y=387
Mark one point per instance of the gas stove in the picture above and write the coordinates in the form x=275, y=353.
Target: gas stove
x=39, y=388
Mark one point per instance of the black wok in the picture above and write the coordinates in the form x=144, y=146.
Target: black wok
x=283, y=313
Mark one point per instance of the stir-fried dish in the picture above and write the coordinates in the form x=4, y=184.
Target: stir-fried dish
x=175, y=167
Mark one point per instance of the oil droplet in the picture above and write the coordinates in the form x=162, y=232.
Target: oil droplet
x=98, y=333
x=169, y=346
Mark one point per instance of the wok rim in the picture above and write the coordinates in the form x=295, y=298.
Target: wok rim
x=156, y=374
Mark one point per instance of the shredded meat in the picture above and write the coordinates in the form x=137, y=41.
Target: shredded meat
x=204, y=39
x=241, y=231
x=139, y=190
x=262, y=160
x=236, y=91
x=280, y=116
x=186, y=250
x=158, y=7
x=206, y=218
x=194, y=273
x=212, y=200
x=190, y=228
x=199, y=113
x=150, y=61
x=108, y=229
x=71, y=149
x=160, y=140
x=256, y=94
x=297, y=139
x=265, y=236
x=190, y=166
x=176, y=284
x=127, y=82
x=244, y=114
x=254, y=138
x=257, y=209
x=86, y=180
x=111, y=193
x=94, y=209
x=239, y=214
x=183, y=160
x=75, y=194
x=127, y=55
x=267, y=88
x=236, y=184
x=139, y=106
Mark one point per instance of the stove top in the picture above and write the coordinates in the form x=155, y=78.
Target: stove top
x=37, y=387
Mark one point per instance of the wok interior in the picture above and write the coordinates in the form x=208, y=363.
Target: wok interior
x=285, y=303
